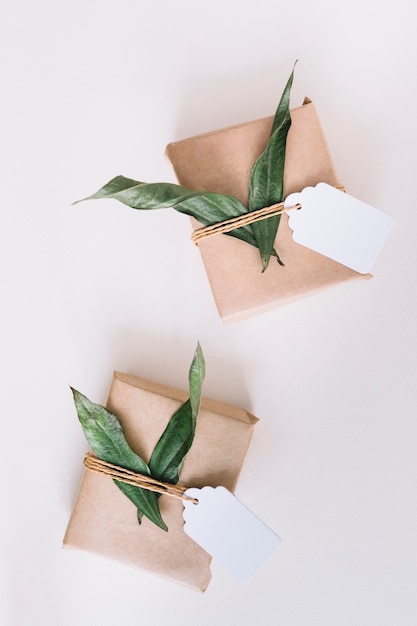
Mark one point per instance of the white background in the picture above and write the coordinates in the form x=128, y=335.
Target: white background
x=94, y=89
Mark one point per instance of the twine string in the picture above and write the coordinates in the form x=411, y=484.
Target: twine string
x=129, y=477
x=244, y=220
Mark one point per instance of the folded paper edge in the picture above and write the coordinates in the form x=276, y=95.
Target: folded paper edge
x=67, y=547
x=208, y=133
x=208, y=404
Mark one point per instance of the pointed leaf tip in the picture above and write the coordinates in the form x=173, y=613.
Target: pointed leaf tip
x=266, y=185
x=169, y=453
x=105, y=436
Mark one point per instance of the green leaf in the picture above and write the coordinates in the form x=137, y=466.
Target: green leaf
x=139, y=195
x=266, y=185
x=195, y=380
x=119, y=183
x=105, y=435
x=168, y=456
x=206, y=207
x=173, y=445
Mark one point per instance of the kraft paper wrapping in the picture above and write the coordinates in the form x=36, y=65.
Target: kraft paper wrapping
x=104, y=521
x=221, y=162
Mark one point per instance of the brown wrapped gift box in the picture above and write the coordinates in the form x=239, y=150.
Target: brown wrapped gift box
x=104, y=521
x=221, y=162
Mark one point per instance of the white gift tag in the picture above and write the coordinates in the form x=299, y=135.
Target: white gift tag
x=228, y=530
x=338, y=226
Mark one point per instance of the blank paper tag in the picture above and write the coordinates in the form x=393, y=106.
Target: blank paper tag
x=338, y=226
x=228, y=531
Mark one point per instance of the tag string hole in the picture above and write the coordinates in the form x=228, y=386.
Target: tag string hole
x=245, y=219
